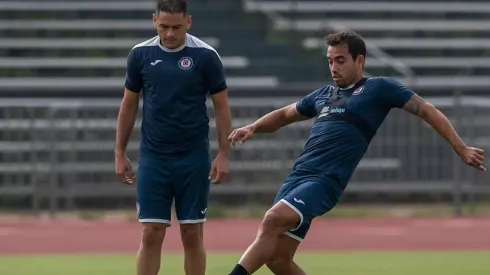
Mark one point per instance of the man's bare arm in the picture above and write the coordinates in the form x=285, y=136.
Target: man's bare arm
x=436, y=119
x=222, y=116
x=277, y=119
x=126, y=119
x=269, y=123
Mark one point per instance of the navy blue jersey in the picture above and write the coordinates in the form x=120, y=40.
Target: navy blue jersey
x=335, y=147
x=174, y=84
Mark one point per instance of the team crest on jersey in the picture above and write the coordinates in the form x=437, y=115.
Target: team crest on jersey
x=358, y=90
x=185, y=63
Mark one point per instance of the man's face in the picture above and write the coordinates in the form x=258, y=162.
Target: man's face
x=342, y=66
x=172, y=28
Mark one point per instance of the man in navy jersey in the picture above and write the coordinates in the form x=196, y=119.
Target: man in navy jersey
x=346, y=119
x=174, y=72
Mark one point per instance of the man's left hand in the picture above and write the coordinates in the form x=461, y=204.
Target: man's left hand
x=219, y=169
x=473, y=157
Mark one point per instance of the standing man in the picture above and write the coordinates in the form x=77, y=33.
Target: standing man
x=174, y=72
x=346, y=119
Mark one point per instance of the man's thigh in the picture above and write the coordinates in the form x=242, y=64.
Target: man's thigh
x=192, y=187
x=154, y=190
x=309, y=198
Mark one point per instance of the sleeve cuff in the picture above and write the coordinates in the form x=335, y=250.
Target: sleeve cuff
x=221, y=87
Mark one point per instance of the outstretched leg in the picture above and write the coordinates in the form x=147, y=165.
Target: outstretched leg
x=279, y=219
x=281, y=262
x=297, y=204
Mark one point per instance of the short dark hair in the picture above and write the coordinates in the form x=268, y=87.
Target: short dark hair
x=172, y=6
x=354, y=42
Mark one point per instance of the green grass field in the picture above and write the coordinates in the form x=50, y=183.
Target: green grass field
x=459, y=263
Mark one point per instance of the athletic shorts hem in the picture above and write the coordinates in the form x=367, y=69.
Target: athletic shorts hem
x=192, y=221
x=154, y=221
x=291, y=235
x=295, y=210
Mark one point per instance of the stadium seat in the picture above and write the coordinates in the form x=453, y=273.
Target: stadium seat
x=434, y=43
x=78, y=44
x=230, y=62
x=419, y=7
x=412, y=43
x=95, y=83
x=382, y=25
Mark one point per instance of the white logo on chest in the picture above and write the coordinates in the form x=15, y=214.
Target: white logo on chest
x=331, y=110
x=155, y=62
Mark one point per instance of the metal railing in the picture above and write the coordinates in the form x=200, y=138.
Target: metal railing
x=63, y=150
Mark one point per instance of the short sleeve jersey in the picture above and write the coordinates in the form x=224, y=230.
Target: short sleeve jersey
x=335, y=148
x=174, y=84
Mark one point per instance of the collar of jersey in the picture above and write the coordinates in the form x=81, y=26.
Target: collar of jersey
x=364, y=79
x=347, y=88
x=171, y=50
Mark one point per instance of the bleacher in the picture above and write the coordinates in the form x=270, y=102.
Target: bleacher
x=63, y=145
x=84, y=44
x=426, y=44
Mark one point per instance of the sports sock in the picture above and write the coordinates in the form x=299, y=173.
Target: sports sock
x=239, y=270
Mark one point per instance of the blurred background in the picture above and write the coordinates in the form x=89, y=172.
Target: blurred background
x=62, y=67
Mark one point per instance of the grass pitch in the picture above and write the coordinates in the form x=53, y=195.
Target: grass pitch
x=443, y=263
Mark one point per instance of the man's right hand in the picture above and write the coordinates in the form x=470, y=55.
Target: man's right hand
x=124, y=171
x=241, y=135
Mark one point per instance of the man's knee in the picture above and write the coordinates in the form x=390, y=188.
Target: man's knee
x=279, y=219
x=191, y=235
x=153, y=234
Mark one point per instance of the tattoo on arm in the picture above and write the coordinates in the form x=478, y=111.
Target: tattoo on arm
x=414, y=104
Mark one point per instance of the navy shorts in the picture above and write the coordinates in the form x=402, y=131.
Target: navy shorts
x=309, y=197
x=183, y=178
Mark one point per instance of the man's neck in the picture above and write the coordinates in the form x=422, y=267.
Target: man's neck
x=357, y=79
x=354, y=82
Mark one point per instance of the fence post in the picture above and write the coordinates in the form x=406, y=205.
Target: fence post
x=457, y=191
x=34, y=164
x=472, y=176
x=68, y=183
x=53, y=164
